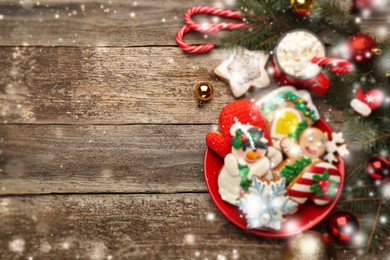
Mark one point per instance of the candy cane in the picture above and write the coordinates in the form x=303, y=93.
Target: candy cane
x=206, y=27
x=188, y=47
x=339, y=66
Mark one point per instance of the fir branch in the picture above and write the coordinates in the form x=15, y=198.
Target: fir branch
x=355, y=170
x=365, y=199
x=383, y=136
x=375, y=224
x=333, y=14
x=272, y=18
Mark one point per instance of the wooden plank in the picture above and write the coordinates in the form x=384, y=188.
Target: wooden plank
x=94, y=23
x=84, y=159
x=111, y=23
x=36, y=159
x=106, y=86
x=179, y=226
x=109, y=86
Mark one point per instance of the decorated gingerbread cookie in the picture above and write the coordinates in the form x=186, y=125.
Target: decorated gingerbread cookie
x=319, y=181
x=312, y=143
x=244, y=69
x=266, y=204
x=251, y=156
x=284, y=109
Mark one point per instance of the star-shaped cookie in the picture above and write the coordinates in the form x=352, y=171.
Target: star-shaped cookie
x=244, y=69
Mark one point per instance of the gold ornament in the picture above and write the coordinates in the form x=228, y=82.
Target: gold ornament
x=302, y=7
x=376, y=51
x=388, y=75
x=309, y=245
x=204, y=92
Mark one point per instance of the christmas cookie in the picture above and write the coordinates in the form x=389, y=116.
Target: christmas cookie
x=251, y=156
x=266, y=204
x=313, y=143
x=242, y=112
x=244, y=69
x=319, y=181
x=284, y=109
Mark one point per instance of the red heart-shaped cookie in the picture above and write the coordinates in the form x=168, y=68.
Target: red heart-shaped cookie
x=241, y=111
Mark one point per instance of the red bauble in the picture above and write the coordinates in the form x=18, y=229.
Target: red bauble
x=360, y=5
x=343, y=227
x=378, y=168
x=362, y=48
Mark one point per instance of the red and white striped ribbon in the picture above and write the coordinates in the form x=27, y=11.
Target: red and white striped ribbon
x=339, y=66
x=206, y=27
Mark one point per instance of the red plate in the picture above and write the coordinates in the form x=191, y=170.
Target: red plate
x=307, y=217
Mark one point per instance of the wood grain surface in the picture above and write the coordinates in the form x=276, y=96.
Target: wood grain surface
x=101, y=139
x=144, y=226
x=102, y=158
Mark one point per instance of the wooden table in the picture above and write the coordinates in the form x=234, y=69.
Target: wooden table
x=101, y=139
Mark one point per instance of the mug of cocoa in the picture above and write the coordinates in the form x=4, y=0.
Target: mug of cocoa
x=292, y=61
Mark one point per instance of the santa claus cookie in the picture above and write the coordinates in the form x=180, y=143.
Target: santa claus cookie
x=284, y=109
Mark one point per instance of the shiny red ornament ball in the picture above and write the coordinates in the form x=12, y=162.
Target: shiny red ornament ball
x=359, y=5
x=362, y=48
x=378, y=168
x=343, y=227
x=371, y=5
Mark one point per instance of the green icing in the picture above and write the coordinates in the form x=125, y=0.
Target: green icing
x=331, y=190
x=291, y=171
x=243, y=173
x=285, y=96
x=301, y=127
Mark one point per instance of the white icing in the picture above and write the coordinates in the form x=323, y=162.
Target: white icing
x=244, y=69
x=266, y=204
x=238, y=126
x=295, y=52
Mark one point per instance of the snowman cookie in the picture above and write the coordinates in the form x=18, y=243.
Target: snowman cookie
x=250, y=156
x=284, y=109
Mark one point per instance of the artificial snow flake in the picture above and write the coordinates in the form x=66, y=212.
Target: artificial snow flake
x=337, y=145
x=266, y=203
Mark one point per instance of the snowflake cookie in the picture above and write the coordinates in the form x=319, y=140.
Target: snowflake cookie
x=244, y=69
x=266, y=203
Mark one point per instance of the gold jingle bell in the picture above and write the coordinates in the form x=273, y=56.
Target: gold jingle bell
x=302, y=7
x=204, y=92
